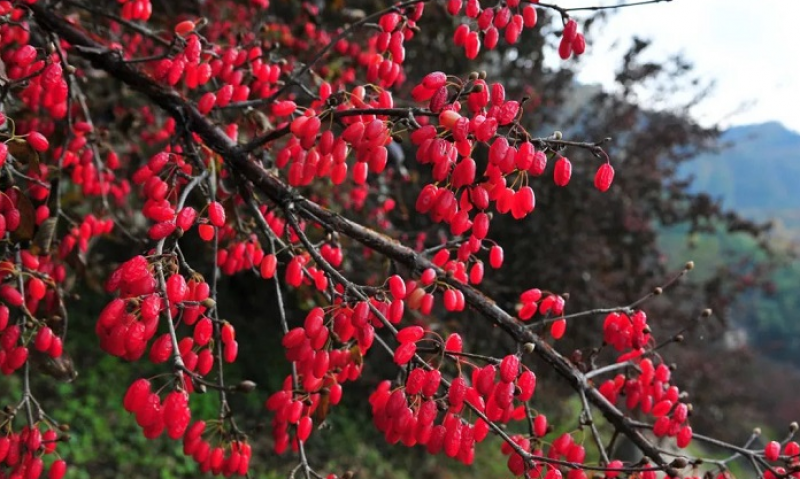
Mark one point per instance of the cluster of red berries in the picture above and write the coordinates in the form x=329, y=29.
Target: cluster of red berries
x=410, y=418
x=136, y=9
x=626, y=332
x=311, y=154
x=384, y=65
x=562, y=448
x=10, y=216
x=651, y=392
x=23, y=453
x=240, y=256
x=128, y=323
x=791, y=454
x=13, y=345
x=298, y=410
x=155, y=417
x=173, y=416
x=48, y=90
x=328, y=349
x=572, y=42
x=79, y=160
x=80, y=235
x=187, y=66
x=409, y=413
x=321, y=368
x=12, y=355
x=531, y=302
x=14, y=32
x=227, y=458
x=490, y=22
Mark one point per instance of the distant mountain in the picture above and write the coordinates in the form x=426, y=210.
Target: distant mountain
x=757, y=173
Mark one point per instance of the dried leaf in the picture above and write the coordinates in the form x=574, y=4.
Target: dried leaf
x=44, y=237
x=356, y=356
x=20, y=149
x=27, y=218
x=61, y=368
x=321, y=413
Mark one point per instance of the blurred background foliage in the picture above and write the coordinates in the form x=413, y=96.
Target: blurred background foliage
x=604, y=249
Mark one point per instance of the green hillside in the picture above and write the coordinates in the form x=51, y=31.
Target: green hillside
x=756, y=173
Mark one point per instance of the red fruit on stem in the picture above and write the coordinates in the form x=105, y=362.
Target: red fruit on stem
x=563, y=172
x=38, y=142
x=216, y=214
x=604, y=177
x=772, y=451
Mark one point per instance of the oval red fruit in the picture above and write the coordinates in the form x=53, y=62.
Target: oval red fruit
x=563, y=172
x=604, y=177
x=38, y=141
x=216, y=213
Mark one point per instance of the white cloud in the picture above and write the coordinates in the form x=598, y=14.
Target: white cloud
x=748, y=48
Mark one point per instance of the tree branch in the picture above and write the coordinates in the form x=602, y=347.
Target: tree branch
x=235, y=157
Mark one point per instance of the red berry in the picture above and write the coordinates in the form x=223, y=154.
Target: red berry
x=529, y=16
x=304, y=427
x=58, y=469
x=578, y=44
x=136, y=395
x=397, y=287
x=472, y=45
x=284, y=108
x=25, y=55
x=772, y=451
x=496, y=256
x=36, y=288
x=570, y=30
x=186, y=218
x=161, y=349
x=206, y=102
x=268, y=265
x=509, y=368
x=527, y=385
x=604, y=177
x=231, y=351
x=56, y=347
x=434, y=80
x=176, y=288
x=792, y=449
x=404, y=353
x=454, y=343
x=410, y=334
x=44, y=338
x=563, y=172
x=558, y=328
x=684, y=436
x=216, y=213
x=203, y=330
x=11, y=295
x=228, y=333
x=161, y=230
x=38, y=142
x=565, y=48
x=184, y=28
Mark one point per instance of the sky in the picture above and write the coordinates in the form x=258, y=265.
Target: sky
x=749, y=48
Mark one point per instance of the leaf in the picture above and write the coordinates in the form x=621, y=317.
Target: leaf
x=78, y=263
x=44, y=237
x=321, y=412
x=20, y=149
x=27, y=218
x=229, y=205
x=61, y=368
x=356, y=356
